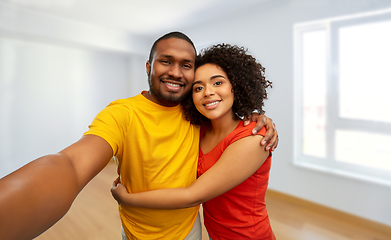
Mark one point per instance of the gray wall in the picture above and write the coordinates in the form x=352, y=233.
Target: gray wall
x=55, y=76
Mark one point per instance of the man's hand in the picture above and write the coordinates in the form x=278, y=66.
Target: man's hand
x=271, y=136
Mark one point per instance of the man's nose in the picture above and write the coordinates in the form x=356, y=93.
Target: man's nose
x=175, y=71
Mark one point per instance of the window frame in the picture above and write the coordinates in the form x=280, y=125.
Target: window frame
x=333, y=121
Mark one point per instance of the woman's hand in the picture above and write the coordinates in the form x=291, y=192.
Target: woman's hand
x=119, y=191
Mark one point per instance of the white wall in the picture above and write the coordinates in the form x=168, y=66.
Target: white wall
x=267, y=30
x=78, y=69
x=55, y=76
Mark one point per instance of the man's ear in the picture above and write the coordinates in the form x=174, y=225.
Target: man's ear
x=148, y=67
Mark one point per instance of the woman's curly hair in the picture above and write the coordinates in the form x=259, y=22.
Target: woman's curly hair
x=246, y=75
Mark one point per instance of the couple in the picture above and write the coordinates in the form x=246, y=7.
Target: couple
x=156, y=148
x=233, y=168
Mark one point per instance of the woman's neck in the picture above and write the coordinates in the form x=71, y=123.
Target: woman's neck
x=219, y=129
x=223, y=126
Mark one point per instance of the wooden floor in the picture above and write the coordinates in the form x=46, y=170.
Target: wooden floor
x=296, y=219
x=94, y=215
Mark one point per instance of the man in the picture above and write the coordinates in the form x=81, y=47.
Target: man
x=154, y=147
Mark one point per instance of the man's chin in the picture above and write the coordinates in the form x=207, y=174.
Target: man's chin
x=168, y=98
x=171, y=99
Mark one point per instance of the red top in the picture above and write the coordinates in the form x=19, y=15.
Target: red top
x=241, y=212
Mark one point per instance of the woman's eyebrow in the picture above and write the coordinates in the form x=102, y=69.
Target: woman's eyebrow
x=194, y=83
x=217, y=76
x=211, y=78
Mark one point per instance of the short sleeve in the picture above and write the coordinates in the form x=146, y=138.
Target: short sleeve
x=111, y=124
x=241, y=132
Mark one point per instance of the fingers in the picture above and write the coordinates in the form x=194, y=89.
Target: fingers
x=114, y=193
x=261, y=121
x=271, y=135
x=274, y=141
x=247, y=120
x=254, y=117
x=116, y=181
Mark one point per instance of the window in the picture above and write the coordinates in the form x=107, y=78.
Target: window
x=343, y=96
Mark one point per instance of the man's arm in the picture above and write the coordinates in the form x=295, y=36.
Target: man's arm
x=271, y=136
x=40, y=193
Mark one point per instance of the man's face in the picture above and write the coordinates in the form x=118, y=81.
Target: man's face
x=171, y=72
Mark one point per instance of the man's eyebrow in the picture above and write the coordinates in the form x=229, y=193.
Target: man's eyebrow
x=166, y=56
x=170, y=56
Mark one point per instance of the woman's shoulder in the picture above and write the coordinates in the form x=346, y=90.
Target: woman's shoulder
x=240, y=132
x=247, y=130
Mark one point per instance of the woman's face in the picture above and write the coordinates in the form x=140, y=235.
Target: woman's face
x=212, y=92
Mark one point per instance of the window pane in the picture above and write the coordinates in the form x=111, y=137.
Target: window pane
x=314, y=93
x=364, y=71
x=351, y=148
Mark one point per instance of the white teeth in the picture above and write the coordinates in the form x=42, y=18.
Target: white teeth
x=212, y=103
x=172, y=84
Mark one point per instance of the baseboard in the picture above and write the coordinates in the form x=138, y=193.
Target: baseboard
x=329, y=211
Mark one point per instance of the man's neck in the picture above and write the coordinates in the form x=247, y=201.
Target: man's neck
x=148, y=95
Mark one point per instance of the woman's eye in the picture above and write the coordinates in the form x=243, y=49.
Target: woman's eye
x=197, y=89
x=218, y=83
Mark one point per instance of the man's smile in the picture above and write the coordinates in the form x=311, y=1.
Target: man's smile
x=172, y=85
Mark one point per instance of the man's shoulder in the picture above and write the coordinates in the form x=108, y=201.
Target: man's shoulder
x=126, y=102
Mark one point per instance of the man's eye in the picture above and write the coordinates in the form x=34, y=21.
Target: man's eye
x=187, y=66
x=165, y=61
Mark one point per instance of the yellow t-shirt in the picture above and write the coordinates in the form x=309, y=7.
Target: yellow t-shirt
x=155, y=148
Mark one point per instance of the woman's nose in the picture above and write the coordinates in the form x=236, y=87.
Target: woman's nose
x=208, y=91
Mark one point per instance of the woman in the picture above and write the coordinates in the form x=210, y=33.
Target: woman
x=233, y=167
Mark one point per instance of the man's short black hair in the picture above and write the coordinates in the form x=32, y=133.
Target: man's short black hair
x=178, y=35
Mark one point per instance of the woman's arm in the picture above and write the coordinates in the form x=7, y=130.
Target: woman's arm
x=237, y=163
